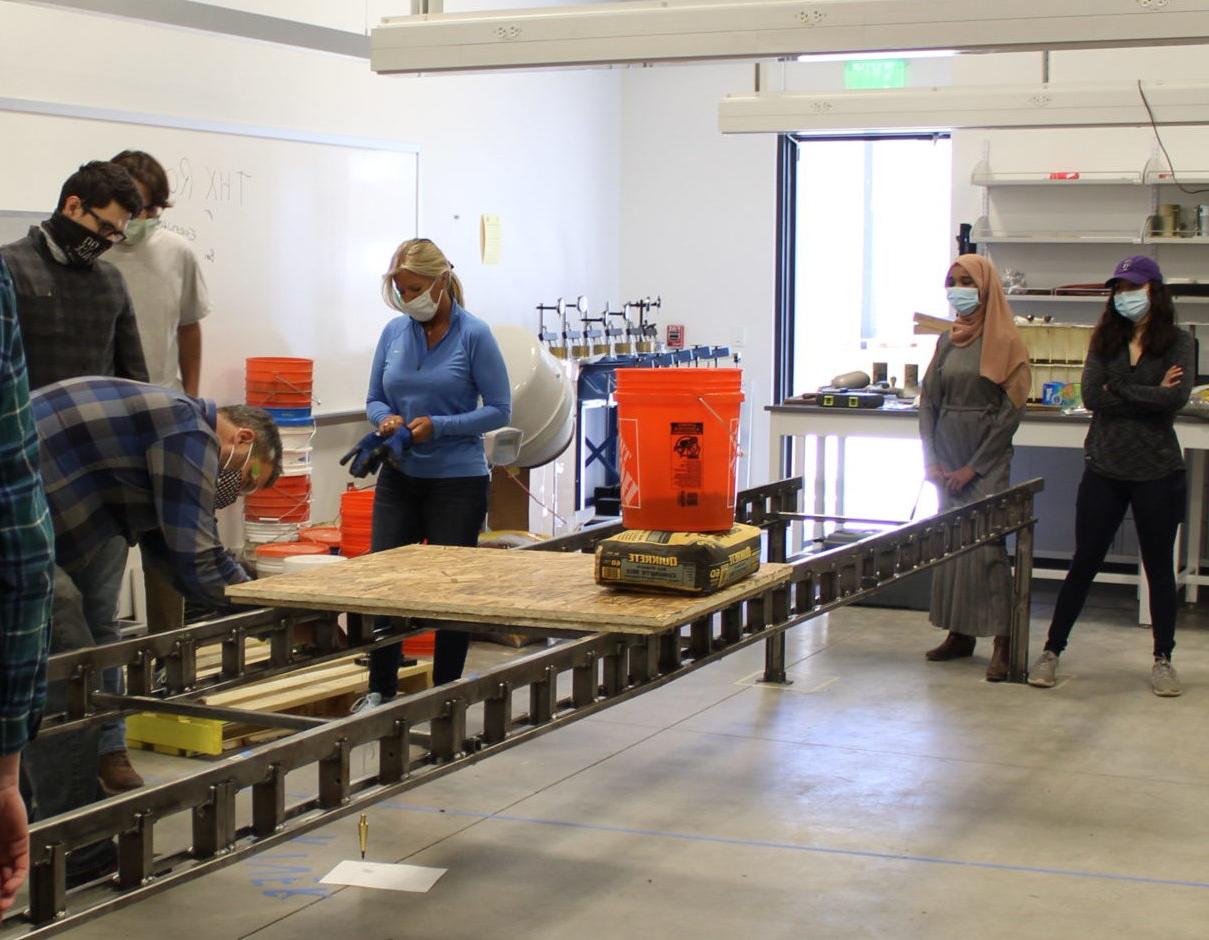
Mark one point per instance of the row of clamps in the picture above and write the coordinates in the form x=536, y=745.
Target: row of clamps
x=612, y=333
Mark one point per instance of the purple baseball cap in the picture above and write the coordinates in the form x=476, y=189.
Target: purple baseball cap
x=1137, y=269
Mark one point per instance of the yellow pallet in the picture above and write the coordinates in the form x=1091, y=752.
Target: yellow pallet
x=174, y=734
x=179, y=735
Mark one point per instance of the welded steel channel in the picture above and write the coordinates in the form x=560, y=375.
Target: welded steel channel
x=603, y=670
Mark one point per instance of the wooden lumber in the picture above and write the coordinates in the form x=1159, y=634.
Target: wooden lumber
x=482, y=586
x=927, y=326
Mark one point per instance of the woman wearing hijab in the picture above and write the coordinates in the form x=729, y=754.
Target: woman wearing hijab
x=1138, y=374
x=973, y=398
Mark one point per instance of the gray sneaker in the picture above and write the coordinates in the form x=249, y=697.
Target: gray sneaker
x=365, y=703
x=1163, y=678
x=1043, y=671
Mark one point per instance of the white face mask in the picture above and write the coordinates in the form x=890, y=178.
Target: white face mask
x=963, y=299
x=423, y=308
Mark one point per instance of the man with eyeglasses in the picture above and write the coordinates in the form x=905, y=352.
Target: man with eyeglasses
x=75, y=312
x=77, y=319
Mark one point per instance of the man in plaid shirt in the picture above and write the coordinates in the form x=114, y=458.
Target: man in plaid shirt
x=150, y=465
x=134, y=463
x=26, y=578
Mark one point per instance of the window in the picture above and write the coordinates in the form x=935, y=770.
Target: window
x=872, y=246
x=865, y=243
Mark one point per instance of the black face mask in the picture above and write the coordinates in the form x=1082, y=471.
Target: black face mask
x=81, y=245
x=227, y=488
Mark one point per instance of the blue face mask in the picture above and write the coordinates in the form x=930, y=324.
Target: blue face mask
x=1132, y=305
x=963, y=299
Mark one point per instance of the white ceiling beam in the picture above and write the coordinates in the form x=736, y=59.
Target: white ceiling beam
x=683, y=30
x=950, y=108
x=205, y=17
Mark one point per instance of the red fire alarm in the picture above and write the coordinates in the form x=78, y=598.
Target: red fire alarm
x=675, y=336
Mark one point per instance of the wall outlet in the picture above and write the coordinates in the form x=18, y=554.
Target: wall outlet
x=738, y=336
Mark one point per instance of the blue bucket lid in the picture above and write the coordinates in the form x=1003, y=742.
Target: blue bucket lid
x=279, y=413
x=294, y=422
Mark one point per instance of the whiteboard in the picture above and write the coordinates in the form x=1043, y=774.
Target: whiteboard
x=293, y=231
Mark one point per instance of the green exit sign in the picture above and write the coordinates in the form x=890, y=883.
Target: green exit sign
x=875, y=73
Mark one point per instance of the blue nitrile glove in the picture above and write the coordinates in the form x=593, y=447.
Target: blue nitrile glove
x=366, y=455
x=393, y=447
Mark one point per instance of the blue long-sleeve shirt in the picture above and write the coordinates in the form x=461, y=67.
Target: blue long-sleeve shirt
x=444, y=383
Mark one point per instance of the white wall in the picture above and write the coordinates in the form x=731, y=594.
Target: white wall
x=539, y=150
x=698, y=220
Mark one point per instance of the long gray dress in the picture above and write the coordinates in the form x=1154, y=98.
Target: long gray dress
x=965, y=419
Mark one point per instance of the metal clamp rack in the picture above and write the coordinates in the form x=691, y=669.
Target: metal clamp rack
x=508, y=705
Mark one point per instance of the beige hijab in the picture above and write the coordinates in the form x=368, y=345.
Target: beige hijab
x=1004, y=359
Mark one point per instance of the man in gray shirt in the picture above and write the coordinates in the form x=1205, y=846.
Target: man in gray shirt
x=170, y=300
x=164, y=279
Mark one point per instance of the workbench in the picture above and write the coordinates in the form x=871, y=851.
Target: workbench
x=477, y=588
x=806, y=427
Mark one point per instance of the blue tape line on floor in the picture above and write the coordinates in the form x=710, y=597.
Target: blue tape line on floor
x=796, y=847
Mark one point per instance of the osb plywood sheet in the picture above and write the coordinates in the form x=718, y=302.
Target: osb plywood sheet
x=473, y=585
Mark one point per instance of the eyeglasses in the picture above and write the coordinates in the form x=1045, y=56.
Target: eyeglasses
x=254, y=482
x=107, y=229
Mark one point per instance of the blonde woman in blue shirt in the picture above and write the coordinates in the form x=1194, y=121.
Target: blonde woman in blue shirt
x=437, y=385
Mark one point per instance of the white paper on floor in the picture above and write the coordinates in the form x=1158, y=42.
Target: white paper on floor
x=387, y=877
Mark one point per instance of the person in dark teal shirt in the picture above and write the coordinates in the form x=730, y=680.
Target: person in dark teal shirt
x=439, y=378
x=26, y=586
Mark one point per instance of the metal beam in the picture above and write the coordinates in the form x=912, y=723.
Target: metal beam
x=686, y=30
x=208, y=18
x=1106, y=104
x=145, y=703
x=820, y=583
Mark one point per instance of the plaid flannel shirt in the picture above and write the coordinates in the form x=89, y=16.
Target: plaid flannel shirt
x=74, y=320
x=26, y=544
x=125, y=458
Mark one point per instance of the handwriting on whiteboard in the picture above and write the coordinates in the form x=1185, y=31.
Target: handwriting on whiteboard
x=217, y=185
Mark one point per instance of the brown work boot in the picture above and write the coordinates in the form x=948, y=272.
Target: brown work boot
x=997, y=669
x=955, y=646
x=117, y=773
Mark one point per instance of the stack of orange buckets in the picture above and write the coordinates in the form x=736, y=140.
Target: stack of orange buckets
x=283, y=387
x=356, y=521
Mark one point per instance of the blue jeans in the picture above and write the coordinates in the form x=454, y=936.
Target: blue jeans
x=60, y=770
x=99, y=582
x=443, y=511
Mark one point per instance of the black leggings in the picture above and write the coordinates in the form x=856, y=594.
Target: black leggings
x=443, y=511
x=1158, y=510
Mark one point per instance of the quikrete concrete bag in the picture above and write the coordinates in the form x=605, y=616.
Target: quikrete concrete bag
x=684, y=562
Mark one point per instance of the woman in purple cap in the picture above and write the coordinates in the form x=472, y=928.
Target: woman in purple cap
x=1138, y=374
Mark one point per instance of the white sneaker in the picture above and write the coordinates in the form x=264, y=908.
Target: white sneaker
x=366, y=702
x=1043, y=671
x=1163, y=678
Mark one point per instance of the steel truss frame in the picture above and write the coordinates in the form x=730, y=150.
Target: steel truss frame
x=603, y=669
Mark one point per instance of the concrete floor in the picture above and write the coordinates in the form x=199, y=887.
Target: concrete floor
x=878, y=796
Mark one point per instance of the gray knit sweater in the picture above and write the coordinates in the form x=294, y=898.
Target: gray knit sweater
x=1132, y=436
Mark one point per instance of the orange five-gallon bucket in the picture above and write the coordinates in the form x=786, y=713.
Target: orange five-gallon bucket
x=678, y=448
